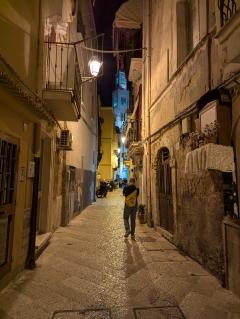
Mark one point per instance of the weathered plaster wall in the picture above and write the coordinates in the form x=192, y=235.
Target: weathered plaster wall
x=171, y=42
x=188, y=85
x=84, y=153
x=12, y=118
x=19, y=37
x=82, y=158
x=107, y=143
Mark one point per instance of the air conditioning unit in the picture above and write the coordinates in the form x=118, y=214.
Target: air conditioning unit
x=64, y=142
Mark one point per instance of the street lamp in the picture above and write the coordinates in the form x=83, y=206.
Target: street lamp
x=123, y=139
x=94, y=65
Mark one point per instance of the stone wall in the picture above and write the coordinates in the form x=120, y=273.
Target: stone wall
x=198, y=206
x=232, y=249
x=200, y=212
x=181, y=67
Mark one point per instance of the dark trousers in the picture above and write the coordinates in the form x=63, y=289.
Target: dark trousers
x=130, y=212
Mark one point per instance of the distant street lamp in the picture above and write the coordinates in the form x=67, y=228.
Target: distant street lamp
x=123, y=139
x=94, y=65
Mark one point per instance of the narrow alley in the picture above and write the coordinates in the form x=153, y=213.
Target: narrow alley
x=90, y=271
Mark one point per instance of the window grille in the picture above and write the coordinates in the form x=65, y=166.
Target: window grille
x=227, y=9
x=7, y=172
x=8, y=160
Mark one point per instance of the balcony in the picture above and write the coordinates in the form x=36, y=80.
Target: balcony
x=62, y=89
x=135, y=152
x=135, y=145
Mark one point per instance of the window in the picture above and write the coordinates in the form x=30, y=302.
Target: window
x=182, y=31
x=188, y=24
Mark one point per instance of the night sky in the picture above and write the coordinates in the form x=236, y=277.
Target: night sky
x=104, y=15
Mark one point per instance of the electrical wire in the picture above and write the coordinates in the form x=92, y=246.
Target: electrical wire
x=96, y=50
x=112, y=51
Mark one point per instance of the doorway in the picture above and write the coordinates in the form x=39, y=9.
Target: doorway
x=8, y=172
x=165, y=190
x=43, y=226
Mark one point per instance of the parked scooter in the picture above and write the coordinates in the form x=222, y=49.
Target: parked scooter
x=102, y=191
x=109, y=186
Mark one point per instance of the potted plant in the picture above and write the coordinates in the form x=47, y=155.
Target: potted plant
x=141, y=214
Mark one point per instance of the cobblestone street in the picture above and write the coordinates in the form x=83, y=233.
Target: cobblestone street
x=90, y=270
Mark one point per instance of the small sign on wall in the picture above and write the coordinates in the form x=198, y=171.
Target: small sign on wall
x=31, y=170
x=172, y=162
x=22, y=174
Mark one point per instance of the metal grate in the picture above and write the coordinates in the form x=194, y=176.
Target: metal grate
x=83, y=314
x=158, y=313
x=7, y=171
x=8, y=164
x=65, y=141
x=227, y=9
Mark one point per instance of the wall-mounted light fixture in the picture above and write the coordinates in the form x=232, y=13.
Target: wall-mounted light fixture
x=94, y=66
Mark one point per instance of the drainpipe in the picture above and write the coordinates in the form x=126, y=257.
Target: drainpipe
x=149, y=170
x=64, y=213
x=30, y=262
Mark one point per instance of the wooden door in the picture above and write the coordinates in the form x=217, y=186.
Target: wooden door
x=8, y=165
x=165, y=191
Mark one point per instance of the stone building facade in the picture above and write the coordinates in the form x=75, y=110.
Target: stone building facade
x=47, y=104
x=190, y=119
x=183, y=77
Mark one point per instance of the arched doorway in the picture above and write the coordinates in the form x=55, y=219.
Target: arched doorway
x=164, y=180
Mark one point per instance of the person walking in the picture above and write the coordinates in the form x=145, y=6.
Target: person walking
x=131, y=193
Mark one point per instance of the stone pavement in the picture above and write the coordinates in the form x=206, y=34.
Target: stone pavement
x=90, y=271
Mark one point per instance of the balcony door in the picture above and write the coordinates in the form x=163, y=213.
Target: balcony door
x=8, y=174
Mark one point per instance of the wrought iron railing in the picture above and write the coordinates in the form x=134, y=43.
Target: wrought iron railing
x=67, y=65
x=63, y=71
x=134, y=134
x=227, y=9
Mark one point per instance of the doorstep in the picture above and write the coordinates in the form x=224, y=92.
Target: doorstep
x=42, y=242
x=164, y=233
